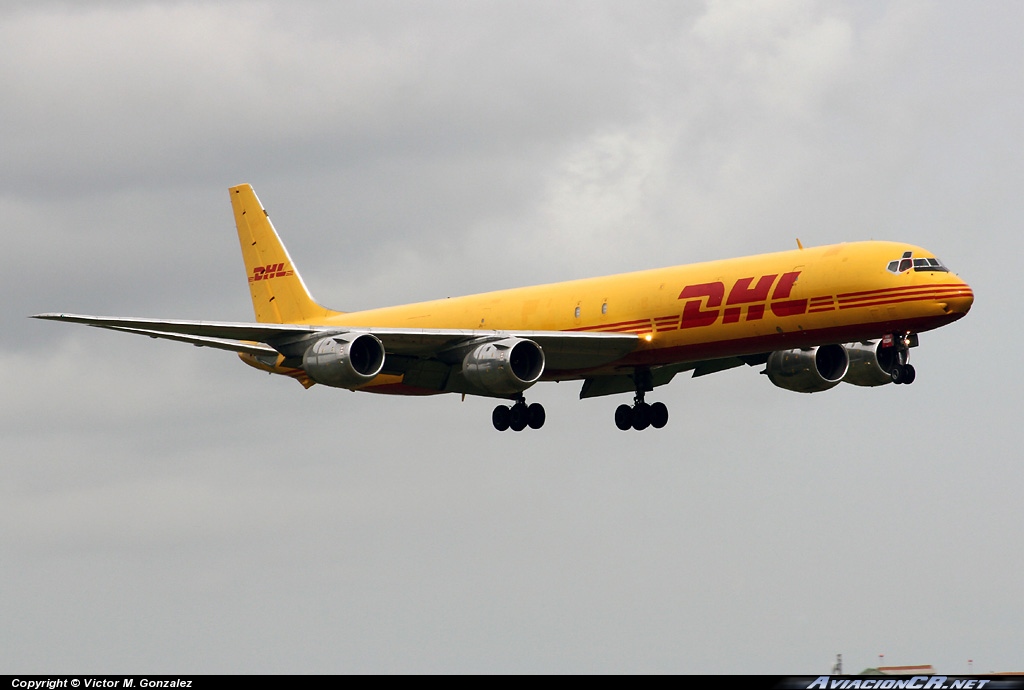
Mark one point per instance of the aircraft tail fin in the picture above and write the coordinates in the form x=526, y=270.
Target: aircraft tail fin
x=278, y=293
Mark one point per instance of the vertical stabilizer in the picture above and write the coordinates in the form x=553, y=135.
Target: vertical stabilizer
x=278, y=293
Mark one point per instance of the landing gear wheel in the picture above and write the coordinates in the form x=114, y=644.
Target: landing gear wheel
x=501, y=418
x=909, y=374
x=896, y=374
x=519, y=417
x=624, y=417
x=903, y=373
x=641, y=416
x=659, y=415
x=535, y=416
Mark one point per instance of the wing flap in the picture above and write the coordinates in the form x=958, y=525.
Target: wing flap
x=596, y=386
x=713, y=366
x=611, y=384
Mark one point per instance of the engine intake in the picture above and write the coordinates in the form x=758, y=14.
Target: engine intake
x=808, y=371
x=504, y=367
x=344, y=361
x=870, y=364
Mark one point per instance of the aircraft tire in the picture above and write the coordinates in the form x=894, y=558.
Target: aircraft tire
x=501, y=418
x=535, y=416
x=624, y=417
x=641, y=416
x=659, y=415
x=909, y=374
x=518, y=417
x=896, y=374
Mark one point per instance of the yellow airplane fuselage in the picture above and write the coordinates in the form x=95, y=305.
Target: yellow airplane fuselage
x=734, y=307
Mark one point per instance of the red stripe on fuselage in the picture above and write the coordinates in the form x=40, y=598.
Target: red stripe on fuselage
x=620, y=325
x=881, y=291
x=900, y=299
x=738, y=347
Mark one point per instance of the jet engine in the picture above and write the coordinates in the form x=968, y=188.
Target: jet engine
x=344, y=361
x=870, y=364
x=808, y=371
x=504, y=367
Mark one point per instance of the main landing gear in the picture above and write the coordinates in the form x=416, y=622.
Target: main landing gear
x=641, y=415
x=902, y=371
x=518, y=416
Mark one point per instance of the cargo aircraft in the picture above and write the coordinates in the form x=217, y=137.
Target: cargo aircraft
x=812, y=317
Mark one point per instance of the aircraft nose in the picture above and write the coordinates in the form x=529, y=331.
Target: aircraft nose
x=959, y=299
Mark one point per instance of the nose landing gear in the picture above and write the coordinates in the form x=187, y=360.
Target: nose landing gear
x=902, y=371
x=518, y=416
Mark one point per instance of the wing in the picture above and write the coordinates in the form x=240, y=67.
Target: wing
x=563, y=351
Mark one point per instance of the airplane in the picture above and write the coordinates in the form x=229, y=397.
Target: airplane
x=813, y=317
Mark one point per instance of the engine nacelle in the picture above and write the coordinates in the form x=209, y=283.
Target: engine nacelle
x=344, y=361
x=504, y=367
x=808, y=371
x=870, y=364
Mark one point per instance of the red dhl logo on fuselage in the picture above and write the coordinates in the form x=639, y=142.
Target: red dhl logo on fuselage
x=748, y=299
x=745, y=294
x=704, y=305
x=268, y=272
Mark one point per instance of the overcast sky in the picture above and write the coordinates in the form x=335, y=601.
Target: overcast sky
x=164, y=508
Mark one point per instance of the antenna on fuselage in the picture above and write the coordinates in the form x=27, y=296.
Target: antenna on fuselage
x=798, y=243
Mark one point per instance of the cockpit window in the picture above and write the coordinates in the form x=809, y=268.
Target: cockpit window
x=907, y=262
x=929, y=265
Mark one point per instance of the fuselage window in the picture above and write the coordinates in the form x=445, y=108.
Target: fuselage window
x=604, y=308
x=577, y=312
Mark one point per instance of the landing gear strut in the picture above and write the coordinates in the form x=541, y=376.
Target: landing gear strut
x=641, y=415
x=518, y=416
x=902, y=371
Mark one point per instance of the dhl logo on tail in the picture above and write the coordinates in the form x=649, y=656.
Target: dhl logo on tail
x=268, y=272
